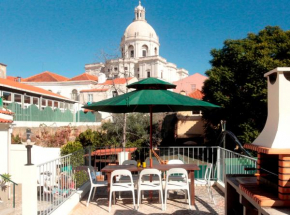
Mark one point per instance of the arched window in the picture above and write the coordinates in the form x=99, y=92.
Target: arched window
x=74, y=94
x=131, y=51
x=148, y=73
x=144, y=51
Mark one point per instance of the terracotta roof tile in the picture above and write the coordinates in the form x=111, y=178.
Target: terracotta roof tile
x=94, y=90
x=45, y=77
x=5, y=121
x=11, y=78
x=83, y=77
x=197, y=94
x=6, y=112
x=26, y=87
x=117, y=81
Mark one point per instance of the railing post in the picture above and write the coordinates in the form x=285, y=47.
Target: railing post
x=29, y=190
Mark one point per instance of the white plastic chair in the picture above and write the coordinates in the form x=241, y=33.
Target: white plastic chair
x=126, y=179
x=178, y=177
x=121, y=186
x=94, y=183
x=147, y=185
x=206, y=181
x=177, y=185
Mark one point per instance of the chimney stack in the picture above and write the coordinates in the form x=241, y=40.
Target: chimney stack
x=276, y=133
x=3, y=70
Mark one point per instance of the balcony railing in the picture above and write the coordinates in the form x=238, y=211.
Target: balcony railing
x=60, y=178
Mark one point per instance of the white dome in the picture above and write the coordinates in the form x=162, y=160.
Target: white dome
x=141, y=29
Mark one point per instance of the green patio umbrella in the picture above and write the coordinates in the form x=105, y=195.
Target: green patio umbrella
x=151, y=96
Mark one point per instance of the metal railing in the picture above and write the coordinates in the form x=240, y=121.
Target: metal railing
x=230, y=162
x=60, y=178
x=8, y=180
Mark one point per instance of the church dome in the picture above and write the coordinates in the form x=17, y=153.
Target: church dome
x=140, y=29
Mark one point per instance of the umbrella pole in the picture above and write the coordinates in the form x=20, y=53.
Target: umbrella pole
x=151, y=162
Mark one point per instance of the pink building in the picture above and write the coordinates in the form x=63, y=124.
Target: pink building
x=190, y=84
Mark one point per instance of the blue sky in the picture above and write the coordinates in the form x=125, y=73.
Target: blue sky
x=63, y=36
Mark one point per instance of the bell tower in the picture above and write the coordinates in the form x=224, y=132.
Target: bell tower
x=140, y=13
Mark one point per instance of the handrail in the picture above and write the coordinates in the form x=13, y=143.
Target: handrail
x=234, y=138
x=14, y=183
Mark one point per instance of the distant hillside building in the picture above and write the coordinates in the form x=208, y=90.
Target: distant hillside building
x=190, y=84
x=140, y=55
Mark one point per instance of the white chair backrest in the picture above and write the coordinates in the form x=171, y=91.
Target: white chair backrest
x=149, y=172
x=92, y=174
x=121, y=172
x=154, y=161
x=130, y=162
x=208, y=170
x=174, y=171
x=175, y=162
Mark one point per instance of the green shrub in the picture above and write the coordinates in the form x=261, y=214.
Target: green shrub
x=70, y=147
x=81, y=177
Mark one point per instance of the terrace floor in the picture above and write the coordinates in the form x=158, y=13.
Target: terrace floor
x=176, y=204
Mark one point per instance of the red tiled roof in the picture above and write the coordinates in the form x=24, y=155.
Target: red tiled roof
x=112, y=151
x=45, y=77
x=197, y=94
x=26, y=87
x=83, y=77
x=94, y=90
x=6, y=112
x=87, y=110
x=5, y=121
x=117, y=81
x=11, y=78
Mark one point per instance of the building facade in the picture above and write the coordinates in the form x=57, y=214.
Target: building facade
x=140, y=57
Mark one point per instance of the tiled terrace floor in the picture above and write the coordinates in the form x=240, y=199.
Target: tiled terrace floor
x=175, y=204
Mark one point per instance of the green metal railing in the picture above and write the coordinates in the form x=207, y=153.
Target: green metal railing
x=33, y=113
x=7, y=179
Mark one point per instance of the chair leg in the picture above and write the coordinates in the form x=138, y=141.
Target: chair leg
x=211, y=195
x=165, y=199
x=138, y=198
x=110, y=201
x=90, y=195
x=133, y=194
x=120, y=195
x=186, y=197
x=162, y=204
x=189, y=200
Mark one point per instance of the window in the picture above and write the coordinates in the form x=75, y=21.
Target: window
x=155, y=50
x=35, y=101
x=193, y=87
x=61, y=105
x=138, y=75
x=144, y=53
x=108, y=70
x=116, y=69
x=132, y=53
x=17, y=98
x=7, y=96
x=43, y=102
x=148, y=74
x=74, y=94
x=138, y=70
x=49, y=103
x=27, y=100
x=90, y=97
x=114, y=93
x=126, y=68
x=144, y=50
x=55, y=104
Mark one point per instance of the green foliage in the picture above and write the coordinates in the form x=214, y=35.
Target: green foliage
x=94, y=139
x=236, y=82
x=81, y=177
x=15, y=139
x=76, y=148
x=137, y=130
x=70, y=147
x=5, y=178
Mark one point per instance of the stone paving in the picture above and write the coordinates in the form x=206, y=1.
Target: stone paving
x=176, y=204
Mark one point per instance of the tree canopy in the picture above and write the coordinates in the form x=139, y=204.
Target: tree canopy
x=236, y=82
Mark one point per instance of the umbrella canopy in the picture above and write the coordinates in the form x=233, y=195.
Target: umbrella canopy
x=151, y=96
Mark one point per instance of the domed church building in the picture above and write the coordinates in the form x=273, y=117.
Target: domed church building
x=139, y=55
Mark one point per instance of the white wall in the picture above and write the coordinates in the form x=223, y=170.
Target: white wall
x=18, y=158
x=3, y=149
x=54, y=124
